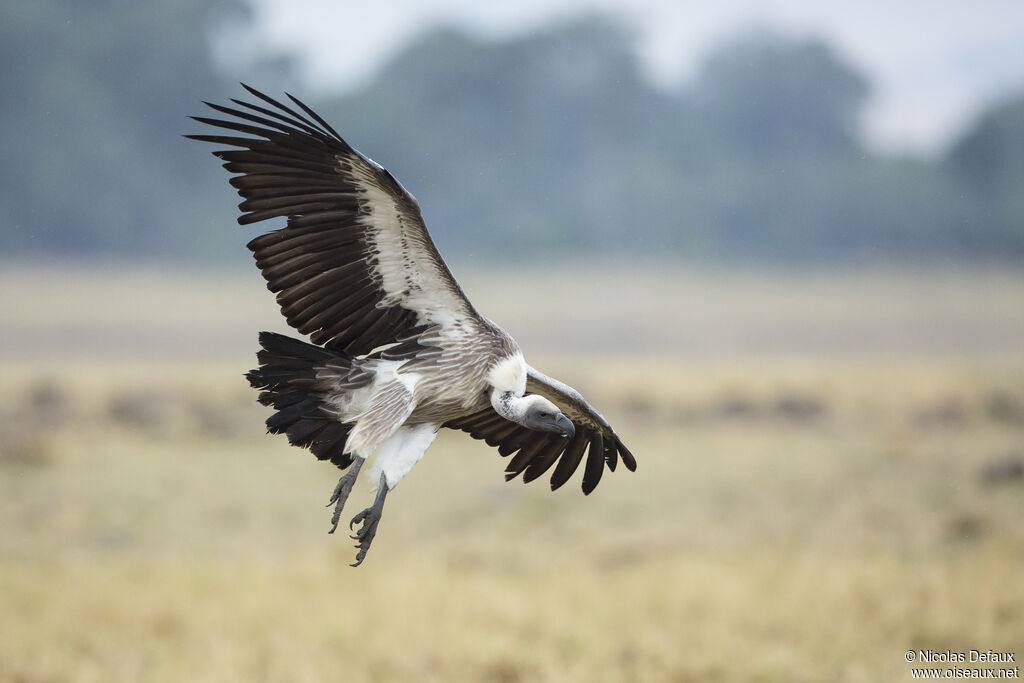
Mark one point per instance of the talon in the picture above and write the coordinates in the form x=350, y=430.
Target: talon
x=370, y=518
x=342, y=491
x=356, y=520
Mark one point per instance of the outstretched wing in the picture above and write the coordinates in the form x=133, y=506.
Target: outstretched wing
x=535, y=452
x=354, y=268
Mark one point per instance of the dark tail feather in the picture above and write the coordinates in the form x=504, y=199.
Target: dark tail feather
x=287, y=380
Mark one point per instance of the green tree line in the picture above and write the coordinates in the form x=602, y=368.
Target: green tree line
x=537, y=145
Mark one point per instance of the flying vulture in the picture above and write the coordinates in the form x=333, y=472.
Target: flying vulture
x=397, y=350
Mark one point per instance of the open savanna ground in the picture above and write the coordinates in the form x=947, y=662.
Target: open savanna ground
x=831, y=473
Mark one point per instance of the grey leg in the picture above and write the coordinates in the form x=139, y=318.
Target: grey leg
x=342, y=490
x=370, y=517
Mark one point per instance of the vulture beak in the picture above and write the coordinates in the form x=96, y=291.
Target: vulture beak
x=565, y=426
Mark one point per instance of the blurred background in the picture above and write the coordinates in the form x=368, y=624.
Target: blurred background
x=793, y=237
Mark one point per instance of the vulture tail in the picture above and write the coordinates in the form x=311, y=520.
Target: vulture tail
x=288, y=381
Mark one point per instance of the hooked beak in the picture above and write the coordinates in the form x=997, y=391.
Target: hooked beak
x=565, y=426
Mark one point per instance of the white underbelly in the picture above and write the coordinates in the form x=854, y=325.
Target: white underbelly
x=400, y=452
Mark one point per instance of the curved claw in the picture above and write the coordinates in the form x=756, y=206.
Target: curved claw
x=368, y=527
x=360, y=516
x=365, y=535
x=370, y=518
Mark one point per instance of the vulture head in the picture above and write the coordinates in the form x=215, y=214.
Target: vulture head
x=544, y=416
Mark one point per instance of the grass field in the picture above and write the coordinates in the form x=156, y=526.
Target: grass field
x=831, y=473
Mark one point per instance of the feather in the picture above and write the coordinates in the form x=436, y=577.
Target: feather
x=609, y=454
x=302, y=431
x=543, y=461
x=530, y=448
x=341, y=279
x=310, y=243
x=595, y=463
x=298, y=275
x=352, y=332
x=314, y=116
x=256, y=164
x=376, y=333
x=569, y=461
x=284, y=127
x=294, y=123
x=271, y=101
x=627, y=457
x=358, y=304
x=284, y=200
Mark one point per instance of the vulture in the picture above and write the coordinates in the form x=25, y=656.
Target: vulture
x=397, y=351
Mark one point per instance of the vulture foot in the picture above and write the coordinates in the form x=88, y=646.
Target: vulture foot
x=341, y=491
x=369, y=518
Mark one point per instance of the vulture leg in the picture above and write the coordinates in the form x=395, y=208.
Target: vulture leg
x=342, y=490
x=370, y=517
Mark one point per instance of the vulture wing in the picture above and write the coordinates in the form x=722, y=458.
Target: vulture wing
x=354, y=268
x=535, y=452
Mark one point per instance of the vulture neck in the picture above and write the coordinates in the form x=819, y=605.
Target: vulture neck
x=508, y=405
x=508, y=384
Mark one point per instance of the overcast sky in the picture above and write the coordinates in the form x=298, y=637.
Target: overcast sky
x=933, y=63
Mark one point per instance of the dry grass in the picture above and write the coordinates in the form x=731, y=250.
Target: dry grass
x=794, y=518
x=749, y=546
